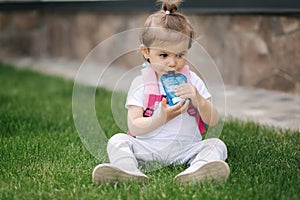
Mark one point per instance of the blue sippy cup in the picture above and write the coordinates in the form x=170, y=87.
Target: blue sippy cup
x=170, y=81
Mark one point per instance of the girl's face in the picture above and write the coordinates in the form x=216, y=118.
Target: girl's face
x=164, y=59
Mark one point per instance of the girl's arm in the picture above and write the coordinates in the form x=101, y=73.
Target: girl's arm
x=140, y=125
x=208, y=112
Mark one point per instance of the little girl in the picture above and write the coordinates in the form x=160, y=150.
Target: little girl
x=169, y=135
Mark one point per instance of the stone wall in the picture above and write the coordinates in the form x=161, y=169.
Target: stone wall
x=250, y=50
x=259, y=51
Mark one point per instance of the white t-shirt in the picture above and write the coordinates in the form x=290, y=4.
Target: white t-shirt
x=183, y=129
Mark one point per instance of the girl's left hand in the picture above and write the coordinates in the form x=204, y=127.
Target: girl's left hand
x=207, y=111
x=187, y=91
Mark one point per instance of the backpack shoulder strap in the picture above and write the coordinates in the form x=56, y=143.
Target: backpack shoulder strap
x=186, y=71
x=150, y=80
x=151, y=91
x=150, y=84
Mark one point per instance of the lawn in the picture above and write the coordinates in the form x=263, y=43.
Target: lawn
x=42, y=156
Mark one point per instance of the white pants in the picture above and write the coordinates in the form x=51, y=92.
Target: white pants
x=125, y=152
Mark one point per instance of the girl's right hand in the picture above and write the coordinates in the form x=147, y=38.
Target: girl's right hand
x=168, y=113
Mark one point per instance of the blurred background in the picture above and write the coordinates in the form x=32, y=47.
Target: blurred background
x=254, y=43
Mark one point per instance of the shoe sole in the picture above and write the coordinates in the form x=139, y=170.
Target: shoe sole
x=109, y=174
x=217, y=171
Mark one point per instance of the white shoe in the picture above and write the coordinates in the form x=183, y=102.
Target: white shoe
x=212, y=171
x=107, y=173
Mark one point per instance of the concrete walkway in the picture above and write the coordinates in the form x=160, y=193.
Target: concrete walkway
x=275, y=109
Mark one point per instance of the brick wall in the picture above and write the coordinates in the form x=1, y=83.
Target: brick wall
x=250, y=50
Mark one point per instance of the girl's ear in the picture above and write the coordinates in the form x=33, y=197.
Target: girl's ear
x=145, y=51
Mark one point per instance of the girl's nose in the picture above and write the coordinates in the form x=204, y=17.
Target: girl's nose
x=172, y=62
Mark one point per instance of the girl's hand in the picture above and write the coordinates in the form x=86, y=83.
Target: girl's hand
x=169, y=112
x=188, y=91
x=206, y=109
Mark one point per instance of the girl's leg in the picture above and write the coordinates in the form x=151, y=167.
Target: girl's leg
x=212, y=149
x=123, y=164
x=208, y=164
x=120, y=152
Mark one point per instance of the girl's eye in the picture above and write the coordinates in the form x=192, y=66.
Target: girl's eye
x=163, y=55
x=180, y=55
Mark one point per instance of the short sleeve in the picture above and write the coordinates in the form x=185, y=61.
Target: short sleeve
x=135, y=96
x=200, y=85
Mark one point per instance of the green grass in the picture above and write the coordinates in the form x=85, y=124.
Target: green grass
x=42, y=156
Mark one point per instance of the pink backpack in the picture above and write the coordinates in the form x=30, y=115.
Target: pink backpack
x=153, y=96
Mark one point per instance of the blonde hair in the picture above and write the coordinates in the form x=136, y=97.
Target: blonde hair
x=168, y=19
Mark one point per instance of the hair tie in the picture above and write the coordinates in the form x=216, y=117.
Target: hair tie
x=167, y=12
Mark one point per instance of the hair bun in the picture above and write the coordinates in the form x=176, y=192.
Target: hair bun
x=169, y=5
